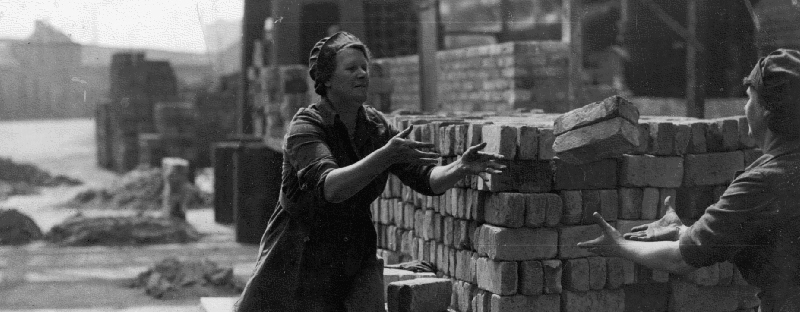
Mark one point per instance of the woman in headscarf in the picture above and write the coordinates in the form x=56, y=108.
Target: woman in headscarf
x=318, y=252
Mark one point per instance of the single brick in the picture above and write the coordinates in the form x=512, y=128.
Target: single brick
x=505, y=209
x=447, y=138
x=461, y=234
x=576, y=274
x=650, y=203
x=531, y=278
x=650, y=171
x=451, y=261
x=394, y=237
x=570, y=236
x=662, y=138
x=729, y=128
x=447, y=233
x=683, y=134
x=428, y=225
x=592, y=176
x=482, y=301
x=527, y=142
x=597, y=272
x=407, y=242
x=555, y=208
x=644, y=139
x=609, y=108
x=712, y=168
x=662, y=195
x=525, y=176
x=606, y=139
x=615, y=269
x=609, y=204
x=464, y=293
x=546, y=140
x=438, y=227
x=714, y=138
x=441, y=258
x=697, y=141
x=421, y=294
x=521, y=303
x=474, y=134
x=517, y=244
x=591, y=204
x=552, y=270
x=500, y=139
x=463, y=263
x=607, y=300
x=460, y=136
x=573, y=207
x=476, y=204
x=536, y=206
x=691, y=202
x=473, y=273
x=630, y=200
x=409, y=216
x=461, y=203
x=499, y=277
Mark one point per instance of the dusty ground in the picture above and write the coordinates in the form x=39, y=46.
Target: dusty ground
x=67, y=147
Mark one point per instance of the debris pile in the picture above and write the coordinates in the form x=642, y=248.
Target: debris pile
x=172, y=279
x=24, y=179
x=17, y=228
x=139, y=189
x=121, y=231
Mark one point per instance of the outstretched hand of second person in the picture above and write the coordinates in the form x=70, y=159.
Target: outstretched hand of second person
x=473, y=161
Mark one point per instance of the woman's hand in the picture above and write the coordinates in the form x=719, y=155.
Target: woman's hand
x=608, y=244
x=473, y=161
x=667, y=228
x=402, y=150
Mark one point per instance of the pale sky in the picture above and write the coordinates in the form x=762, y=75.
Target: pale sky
x=159, y=24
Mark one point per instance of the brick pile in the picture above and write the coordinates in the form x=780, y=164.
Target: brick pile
x=509, y=243
x=499, y=77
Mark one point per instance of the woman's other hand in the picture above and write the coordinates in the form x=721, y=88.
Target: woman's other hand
x=473, y=161
x=667, y=228
x=400, y=149
x=608, y=244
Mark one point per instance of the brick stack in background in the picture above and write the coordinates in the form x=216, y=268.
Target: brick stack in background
x=499, y=77
x=509, y=243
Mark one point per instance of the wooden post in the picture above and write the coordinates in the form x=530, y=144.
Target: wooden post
x=428, y=43
x=695, y=61
x=572, y=32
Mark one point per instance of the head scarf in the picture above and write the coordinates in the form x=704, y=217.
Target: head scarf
x=776, y=78
x=334, y=44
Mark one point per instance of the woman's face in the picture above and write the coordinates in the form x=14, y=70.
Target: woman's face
x=350, y=80
x=755, y=115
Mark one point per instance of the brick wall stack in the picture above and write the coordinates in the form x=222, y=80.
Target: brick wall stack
x=499, y=77
x=508, y=244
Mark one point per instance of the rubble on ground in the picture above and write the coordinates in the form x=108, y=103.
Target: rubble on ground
x=139, y=189
x=24, y=179
x=121, y=231
x=172, y=279
x=17, y=228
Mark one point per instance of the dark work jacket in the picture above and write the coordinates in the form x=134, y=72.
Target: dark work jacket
x=307, y=231
x=756, y=225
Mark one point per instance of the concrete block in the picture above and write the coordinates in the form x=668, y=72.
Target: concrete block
x=531, y=278
x=576, y=275
x=517, y=244
x=650, y=171
x=609, y=204
x=505, y=209
x=500, y=139
x=662, y=138
x=521, y=303
x=421, y=294
x=592, y=176
x=570, y=236
x=573, y=207
x=630, y=200
x=499, y=277
x=590, y=199
x=712, y=168
x=552, y=269
x=525, y=176
x=650, y=203
x=606, y=139
x=609, y=108
x=607, y=300
x=527, y=143
x=546, y=140
x=597, y=272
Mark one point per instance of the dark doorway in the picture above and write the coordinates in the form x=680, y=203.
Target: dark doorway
x=315, y=20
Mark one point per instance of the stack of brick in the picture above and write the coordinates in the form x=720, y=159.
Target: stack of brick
x=498, y=77
x=509, y=243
